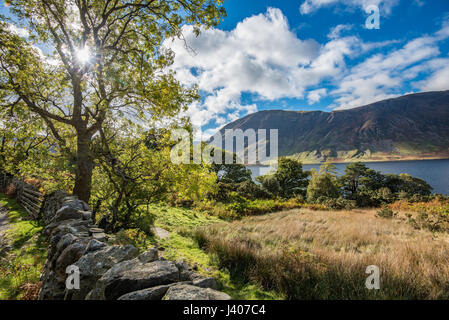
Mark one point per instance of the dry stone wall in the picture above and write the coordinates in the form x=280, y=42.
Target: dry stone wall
x=109, y=272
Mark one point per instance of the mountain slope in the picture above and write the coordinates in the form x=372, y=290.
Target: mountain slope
x=410, y=127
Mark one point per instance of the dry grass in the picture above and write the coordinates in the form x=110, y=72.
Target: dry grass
x=320, y=254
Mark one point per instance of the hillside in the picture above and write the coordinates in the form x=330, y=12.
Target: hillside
x=414, y=126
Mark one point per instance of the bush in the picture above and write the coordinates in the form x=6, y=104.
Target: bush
x=386, y=213
x=337, y=203
x=432, y=221
x=270, y=184
x=258, y=207
x=321, y=185
x=252, y=191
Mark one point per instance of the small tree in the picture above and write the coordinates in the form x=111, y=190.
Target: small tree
x=292, y=179
x=323, y=184
x=231, y=173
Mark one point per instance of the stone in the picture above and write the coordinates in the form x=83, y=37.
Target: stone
x=99, y=236
x=95, y=230
x=52, y=202
x=87, y=215
x=206, y=283
x=149, y=256
x=133, y=275
x=155, y=293
x=74, y=203
x=67, y=213
x=95, y=245
x=94, y=264
x=189, y=292
x=69, y=256
x=52, y=288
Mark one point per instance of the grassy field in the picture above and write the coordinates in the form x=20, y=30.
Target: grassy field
x=304, y=254
x=181, y=223
x=20, y=268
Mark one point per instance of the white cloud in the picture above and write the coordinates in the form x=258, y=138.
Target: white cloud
x=315, y=96
x=264, y=59
x=336, y=31
x=382, y=76
x=439, y=79
x=21, y=32
x=262, y=56
x=310, y=6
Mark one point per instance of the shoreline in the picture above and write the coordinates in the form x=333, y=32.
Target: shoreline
x=338, y=161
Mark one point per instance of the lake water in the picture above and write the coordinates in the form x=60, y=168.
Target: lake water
x=434, y=172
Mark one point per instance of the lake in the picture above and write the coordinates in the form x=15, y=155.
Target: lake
x=434, y=172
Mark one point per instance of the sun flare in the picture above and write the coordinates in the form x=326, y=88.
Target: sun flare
x=83, y=54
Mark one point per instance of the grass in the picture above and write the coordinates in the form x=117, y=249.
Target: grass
x=20, y=269
x=305, y=254
x=181, y=223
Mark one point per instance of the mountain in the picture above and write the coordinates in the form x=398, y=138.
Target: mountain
x=410, y=127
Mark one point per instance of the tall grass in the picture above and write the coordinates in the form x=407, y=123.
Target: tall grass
x=307, y=254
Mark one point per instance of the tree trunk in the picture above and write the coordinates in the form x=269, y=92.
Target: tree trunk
x=84, y=167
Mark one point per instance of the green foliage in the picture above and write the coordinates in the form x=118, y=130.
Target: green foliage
x=386, y=213
x=181, y=244
x=322, y=184
x=231, y=173
x=270, y=184
x=371, y=188
x=337, y=203
x=126, y=76
x=432, y=221
x=249, y=190
x=292, y=179
x=245, y=207
x=131, y=176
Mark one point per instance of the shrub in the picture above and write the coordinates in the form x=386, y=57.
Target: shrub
x=250, y=190
x=270, y=184
x=386, y=213
x=337, y=203
x=432, y=221
x=246, y=207
x=321, y=185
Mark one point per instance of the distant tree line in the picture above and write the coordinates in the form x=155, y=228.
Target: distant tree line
x=359, y=186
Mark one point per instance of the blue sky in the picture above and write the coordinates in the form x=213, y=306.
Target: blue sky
x=311, y=55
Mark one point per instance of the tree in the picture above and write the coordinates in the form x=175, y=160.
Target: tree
x=292, y=179
x=323, y=183
x=107, y=62
x=350, y=180
x=21, y=139
x=270, y=184
x=135, y=171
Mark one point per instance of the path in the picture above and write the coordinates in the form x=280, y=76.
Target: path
x=161, y=233
x=4, y=225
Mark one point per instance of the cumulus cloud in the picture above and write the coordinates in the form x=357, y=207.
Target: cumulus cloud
x=262, y=57
x=315, y=96
x=265, y=60
x=310, y=6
